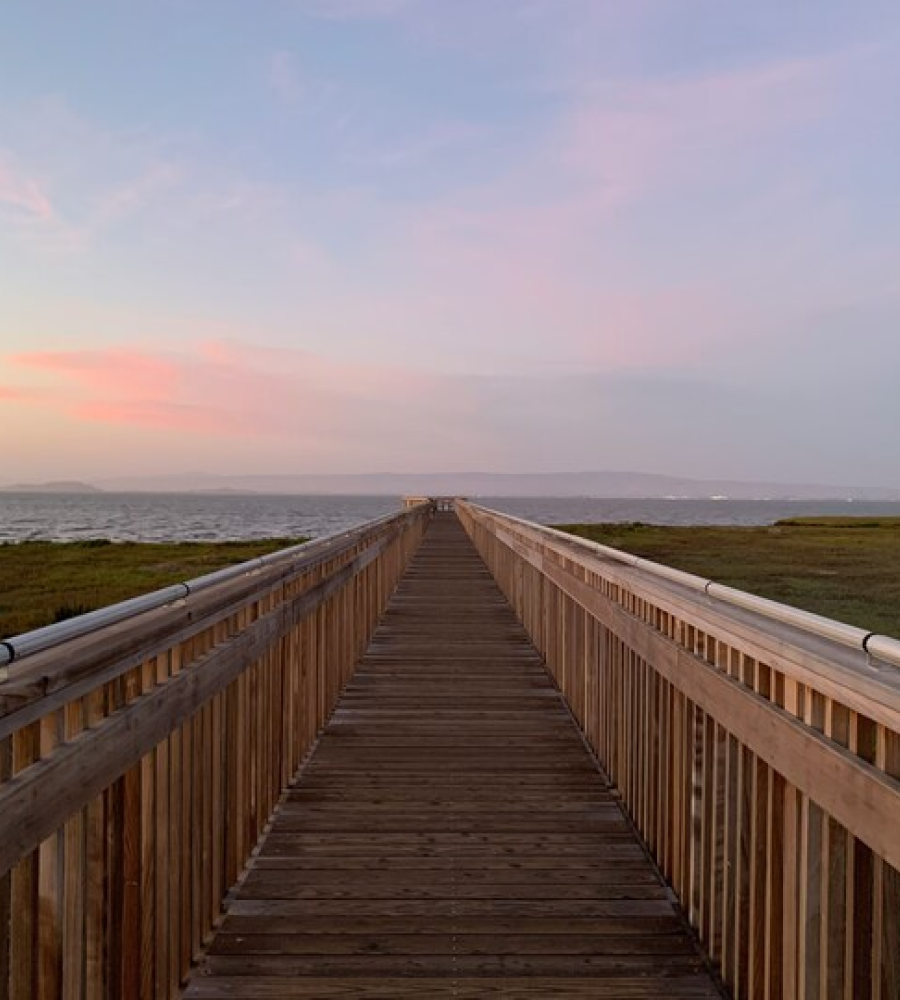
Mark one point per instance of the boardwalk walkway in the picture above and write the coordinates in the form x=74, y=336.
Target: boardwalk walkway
x=451, y=836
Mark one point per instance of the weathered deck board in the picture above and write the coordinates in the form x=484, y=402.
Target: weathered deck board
x=451, y=836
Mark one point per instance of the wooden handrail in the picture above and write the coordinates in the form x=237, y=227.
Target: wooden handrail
x=759, y=761
x=44, y=680
x=140, y=761
x=884, y=650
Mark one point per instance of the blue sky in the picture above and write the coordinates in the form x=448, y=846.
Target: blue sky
x=362, y=235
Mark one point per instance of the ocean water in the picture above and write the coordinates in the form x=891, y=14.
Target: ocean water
x=204, y=517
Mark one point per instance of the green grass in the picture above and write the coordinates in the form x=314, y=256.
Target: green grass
x=842, y=567
x=44, y=582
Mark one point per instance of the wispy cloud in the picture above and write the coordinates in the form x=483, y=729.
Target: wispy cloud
x=22, y=192
x=635, y=135
x=435, y=140
x=285, y=404
x=218, y=387
x=349, y=10
x=136, y=193
x=535, y=254
x=126, y=371
x=284, y=77
x=106, y=179
x=15, y=394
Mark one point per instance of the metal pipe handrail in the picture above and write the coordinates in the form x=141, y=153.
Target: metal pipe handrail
x=881, y=647
x=37, y=640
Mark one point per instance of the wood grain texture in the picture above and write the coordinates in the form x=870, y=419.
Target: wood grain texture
x=451, y=835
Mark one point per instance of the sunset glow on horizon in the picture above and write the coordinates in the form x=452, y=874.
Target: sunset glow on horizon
x=413, y=235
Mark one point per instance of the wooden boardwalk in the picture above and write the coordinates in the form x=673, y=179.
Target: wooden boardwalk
x=451, y=836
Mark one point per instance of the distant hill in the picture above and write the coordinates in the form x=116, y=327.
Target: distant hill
x=61, y=486
x=485, y=484
x=474, y=484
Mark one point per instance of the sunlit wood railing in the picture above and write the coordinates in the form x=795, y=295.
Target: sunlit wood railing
x=140, y=762
x=758, y=759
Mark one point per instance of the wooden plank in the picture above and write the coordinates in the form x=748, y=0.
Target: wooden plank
x=678, y=987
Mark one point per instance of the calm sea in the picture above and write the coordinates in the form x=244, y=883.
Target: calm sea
x=202, y=517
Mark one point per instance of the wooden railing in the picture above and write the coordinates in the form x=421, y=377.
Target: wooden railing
x=759, y=760
x=140, y=762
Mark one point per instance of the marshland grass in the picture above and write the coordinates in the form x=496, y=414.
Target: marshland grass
x=44, y=582
x=842, y=567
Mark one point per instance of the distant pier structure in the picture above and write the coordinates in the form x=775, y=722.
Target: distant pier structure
x=442, y=505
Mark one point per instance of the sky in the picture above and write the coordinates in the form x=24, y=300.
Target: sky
x=447, y=235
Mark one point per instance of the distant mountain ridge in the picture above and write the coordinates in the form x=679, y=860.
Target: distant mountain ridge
x=59, y=486
x=565, y=484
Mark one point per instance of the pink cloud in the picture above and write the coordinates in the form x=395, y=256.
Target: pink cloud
x=128, y=372
x=520, y=277
x=533, y=256
x=160, y=415
x=226, y=389
x=637, y=135
x=24, y=193
x=22, y=394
